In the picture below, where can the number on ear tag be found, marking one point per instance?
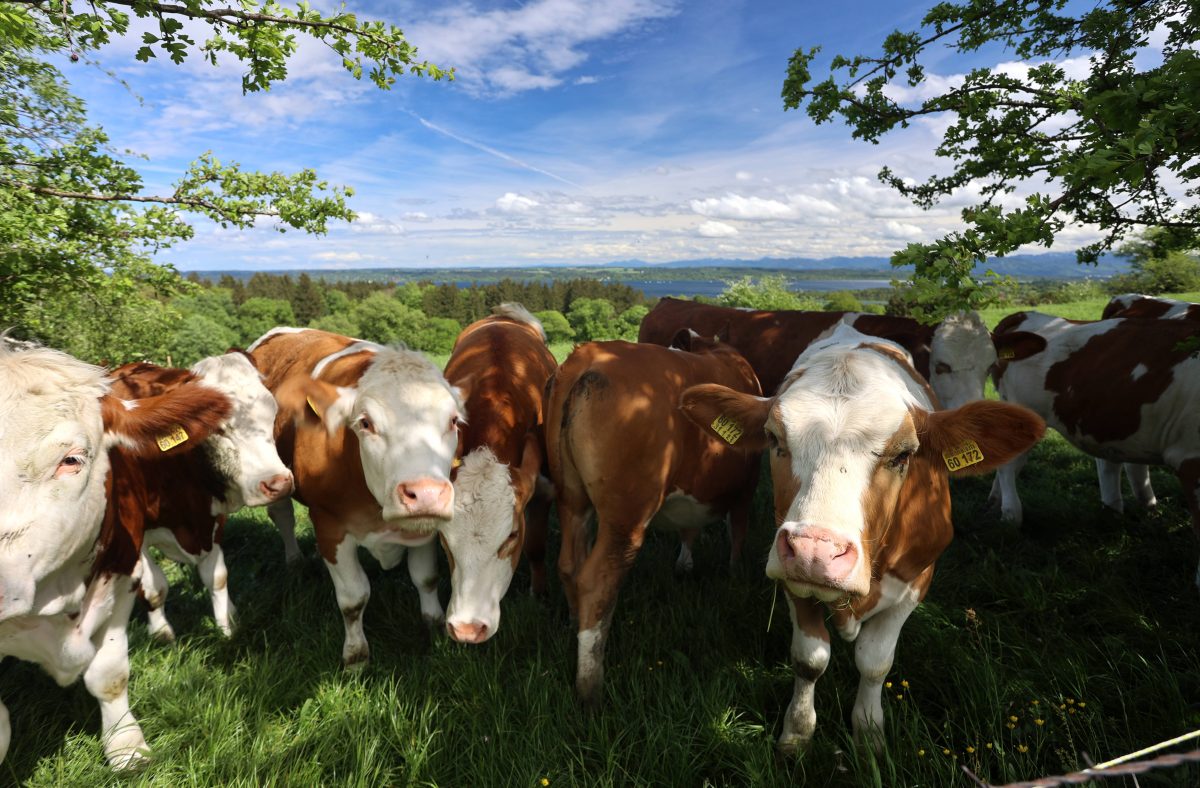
(962, 456)
(727, 428)
(1008, 354)
(172, 439)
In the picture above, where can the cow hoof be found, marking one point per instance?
(164, 635)
(127, 753)
(355, 661)
(791, 746)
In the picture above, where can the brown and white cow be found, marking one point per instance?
(620, 448)
(859, 456)
(1137, 305)
(1123, 390)
(370, 433)
(188, 497)
(501, 364)
(68, 546)
(954, 355)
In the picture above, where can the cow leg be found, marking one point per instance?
(1139, 482)
(598, 583)
(283, 514)
(216, 579)
(572, 521)
(874, 650)
(422, 568)
(1110, 484)
(537, 520)
(5, 731)
(107, 679)
(352, 589)
(154, 589)
(810, 657)
(739, 526)
(685, 562)
(1006, 478)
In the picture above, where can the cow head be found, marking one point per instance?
(405, 418)
(57, 423)
(850, 427)
(243, 452)
(483, 542)
(960, 357)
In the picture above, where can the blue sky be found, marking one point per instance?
(578, 131)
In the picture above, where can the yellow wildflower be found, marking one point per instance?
(970, 749)
(545, 781)
(1022, 748)
(904, 684)
(988, 745)
(900, 696)
(1039, 722)
(1011, 726)
(1012, 718)
(1082, 704)
(887, 684)
(920, 753)
(945, 751)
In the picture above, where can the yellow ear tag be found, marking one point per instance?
(314, 407)
(172, 439)
(456, 462)
(1008, 354)
(962, 456)
(727, 428)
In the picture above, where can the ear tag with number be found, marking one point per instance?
(176, 436)
(962, 456)
(1008, 354)
(314, 407)
(727, 428)
(456, 462)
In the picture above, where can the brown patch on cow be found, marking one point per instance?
(1096, 393)
(199, 410)
(1142, 306)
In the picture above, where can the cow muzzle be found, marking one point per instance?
(819, 556)
(426, 497)
(278, 486)
(469, 632)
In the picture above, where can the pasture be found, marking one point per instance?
(1075, 633)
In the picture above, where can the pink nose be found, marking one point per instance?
(426, 498)
(276, 487)
(471, 632)
(816, 555)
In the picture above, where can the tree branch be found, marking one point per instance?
(190, 202)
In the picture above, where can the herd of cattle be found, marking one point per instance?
(864, 419)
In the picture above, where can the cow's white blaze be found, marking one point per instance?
(839, 423)
(960, 356)
(484, 523)
(243, 452)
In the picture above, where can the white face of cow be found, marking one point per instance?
(481, 545)
(960, 357)
(406, 418)
(243, 451)
(53, 464)
(841, 436)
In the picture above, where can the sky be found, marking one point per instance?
(577, 131)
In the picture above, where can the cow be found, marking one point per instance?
(1137, 305)
(859, 456)
(954, 355)
(501, 365)
(69, 546)
(188, 497)
(1123, 390)
(619, 448)
(370, 433)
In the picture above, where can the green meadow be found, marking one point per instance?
(1071, 638)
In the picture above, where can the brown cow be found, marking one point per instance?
(188, 497)
(71, 522)
(370, 433)
(501, 364)
(954, 355)
(1136, 305)
(618, 446)
(859, 458)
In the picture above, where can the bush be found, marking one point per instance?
(556, 326)
(842, 301)
(257, 316)
(629, 321)
(593, 318)
(769, 292)
(338, 323)
(197, 337)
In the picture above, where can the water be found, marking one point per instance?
(714, 287)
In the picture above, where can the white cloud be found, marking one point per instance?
(711, 229)
(735, 206)
(586, 80)
(368, 222)
(416, 216)
(742, 175)
(903, 230)
(530, 47)
(515, 203)
(342, 257)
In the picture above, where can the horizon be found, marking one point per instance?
(578, 132)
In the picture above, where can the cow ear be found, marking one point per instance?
(978, 437)
(172, 423)
(309, 400)
(723, 335)
(1017, 345)
(730, 416)
(525, 477)
(683, 340)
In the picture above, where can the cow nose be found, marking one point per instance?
(276, 487)
(470, 632)
(814, 554)
(426, 497)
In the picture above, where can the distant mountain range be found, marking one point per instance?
(1050, 265)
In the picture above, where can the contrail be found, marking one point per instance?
(492, 151)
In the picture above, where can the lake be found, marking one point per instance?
(657, 288)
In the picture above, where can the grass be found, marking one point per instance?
(1082, 618)
(1088, 309)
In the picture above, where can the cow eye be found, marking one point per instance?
(455, 423)
(69, 465)
(776, 445)
(365, 424)
(900, 461)
(508, 545)
(942, 368)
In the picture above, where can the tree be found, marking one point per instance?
(381, 318)
(73, 214)
(842, 301)
(555, 325)
(630, 321)
(768, 292)
(338, 323)
(1156, 267)
(257, 316)
(593, 318)
(197, 337)
(307, 302)
(1105, 150)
